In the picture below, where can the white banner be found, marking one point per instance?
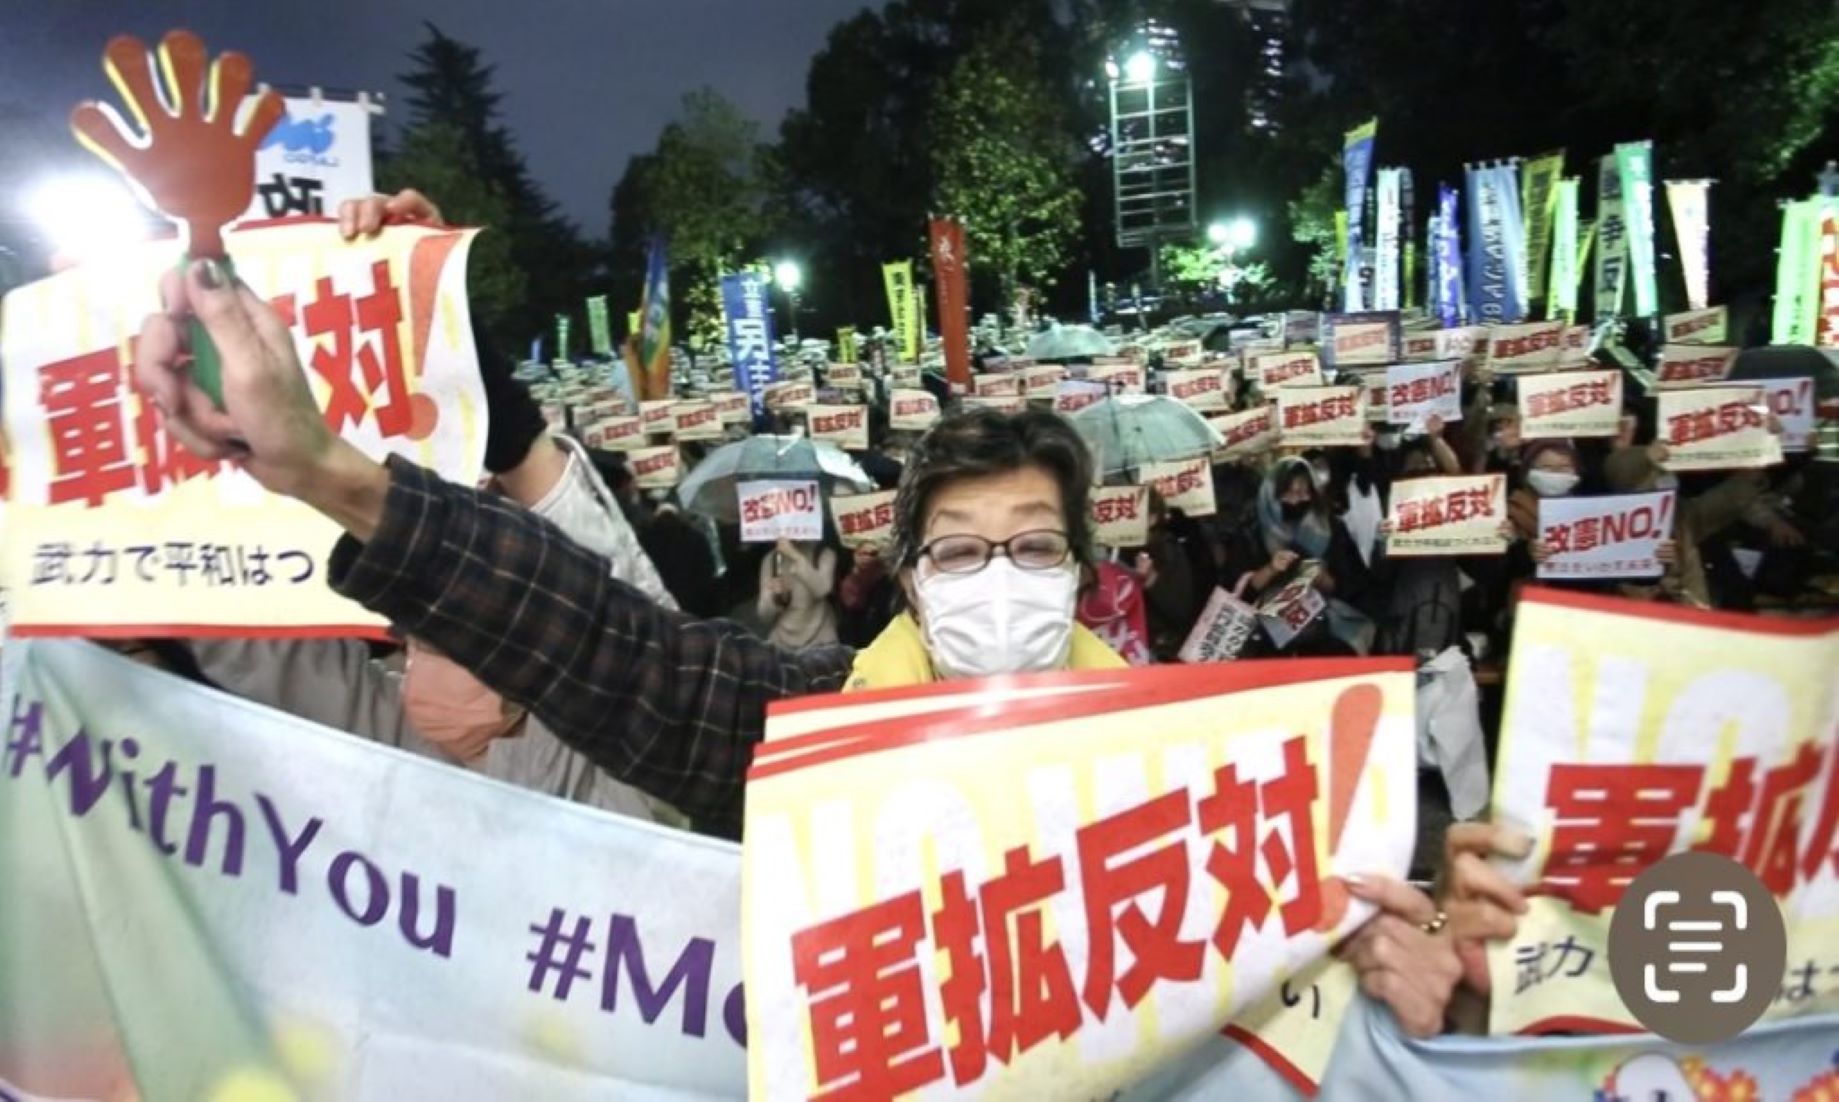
(1792, 403)
(315, 158)
(1682, 366)
(1570, 403)
(1690, 203)
(1073, 395)
(1251, 432)
(1459, 515)
(658, 468)
(912, 410)
(1201, 388)
(780, 510)
(844, 426)
(696, 421)
(1325, 415)
(1042, 382)
(1120, 516)
(1707, 326)
(1386, 260)
(996, 386)
(1417, 392)
(733, 407)
(1523, 349)
(1271, 370)
(1717, 428)
(1604, 537)
(205, 898)
(1221, 631)
(864, 520)
(1185, 485)
(1118, 377)
(658, 418)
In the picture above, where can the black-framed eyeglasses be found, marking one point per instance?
(1040, 549)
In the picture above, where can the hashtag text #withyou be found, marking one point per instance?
(155, 804)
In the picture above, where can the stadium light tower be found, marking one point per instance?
(1152, 143)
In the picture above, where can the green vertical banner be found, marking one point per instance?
(633, 321)
(1797, 274)
(846, 345)
(1340, 240)
(562, 324)
(1538, 206)
(598, 327)
(1611, 242)
(1635, 166)
(1561, 297)
(903, 308)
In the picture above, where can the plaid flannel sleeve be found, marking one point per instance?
(670, 704)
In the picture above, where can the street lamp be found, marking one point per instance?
(1240, 233)
(1141, 67)
(84, 217)
(790, 277)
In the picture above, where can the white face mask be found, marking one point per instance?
(1000, 620)
(1667, 482)
(1551, 483)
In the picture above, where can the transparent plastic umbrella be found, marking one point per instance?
(1128, 430)
(1069, 342)
(709, 489)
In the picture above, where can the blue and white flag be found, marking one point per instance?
(1487, 274)
(1448, 249)
(1357, 164)
(1513, 241)
(750, 336)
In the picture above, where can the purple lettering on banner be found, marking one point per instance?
(25, 736)
(88, 779)
(376, 905)
(734, 1014)
(289, 850)
(625, 953)
(441, 940)
(163, 785)
(206, 807)
(130, 749)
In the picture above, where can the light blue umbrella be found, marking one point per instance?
(1128, 430)
(1069, 342)
(710, 488)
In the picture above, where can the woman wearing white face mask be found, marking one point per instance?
(991, 532)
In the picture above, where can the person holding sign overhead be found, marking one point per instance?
(992, 539)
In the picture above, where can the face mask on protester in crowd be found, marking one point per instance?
(1001, 619)
(1548, 483)
(1666, 481)
(1320, 476)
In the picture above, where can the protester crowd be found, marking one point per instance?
(566, 631)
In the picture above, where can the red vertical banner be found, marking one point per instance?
(948, 273)
(1828, 333)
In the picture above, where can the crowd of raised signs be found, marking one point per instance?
(1372, 484)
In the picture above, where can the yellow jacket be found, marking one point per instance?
(898, 658)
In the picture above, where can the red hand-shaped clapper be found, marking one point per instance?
(190, 159)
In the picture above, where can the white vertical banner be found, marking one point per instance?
(315, 158)
(1690, 202)
(1386, 264)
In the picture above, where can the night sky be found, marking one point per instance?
(586, 83)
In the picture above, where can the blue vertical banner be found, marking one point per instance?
(1513, 241)
(1357, 165)
(1487, 269)
(1448, 248)
(750, 336)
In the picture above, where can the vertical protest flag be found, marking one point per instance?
(1451, 301)
(1826, 334)
(1386, 260)
(563, 323)
(1513, 240)
(652, 380)
(1561, 294)
(1797, 277)
(1538, 205)
(846, 351)
(1356, 165)
(1611, 272)
(1407, 206)
(750, 336)
(1635, 166)
(600, 333)
(950, 281)
(1488, 275)
(1689, 200)
(902, 309)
